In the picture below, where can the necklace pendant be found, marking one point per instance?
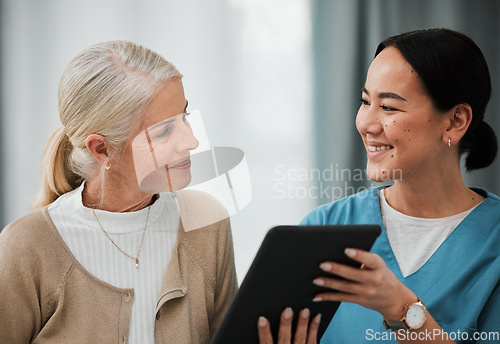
(136, 263)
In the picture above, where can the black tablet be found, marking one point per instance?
(281, 276)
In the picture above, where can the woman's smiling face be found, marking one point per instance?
(401, 130)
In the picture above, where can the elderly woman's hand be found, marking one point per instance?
(372, 286)
(305, 333)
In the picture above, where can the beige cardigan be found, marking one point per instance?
(47, 296)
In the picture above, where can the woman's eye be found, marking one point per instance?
(165, 132)
(387, 108)
(364, 101)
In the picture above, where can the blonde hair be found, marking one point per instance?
(103, 90)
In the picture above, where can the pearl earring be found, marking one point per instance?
(449, 142)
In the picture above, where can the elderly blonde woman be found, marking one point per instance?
(103, 260)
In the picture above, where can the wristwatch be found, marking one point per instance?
(414, 316)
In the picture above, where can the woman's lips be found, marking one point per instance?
(183, 165)
(376, 150)
(379, 148)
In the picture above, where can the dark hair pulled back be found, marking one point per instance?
(453, 71)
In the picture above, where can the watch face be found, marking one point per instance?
(415, 316)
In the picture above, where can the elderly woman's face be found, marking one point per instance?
(401, 130)
(160, 154)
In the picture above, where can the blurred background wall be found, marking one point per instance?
(279, 79)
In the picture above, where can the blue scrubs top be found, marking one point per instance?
(459, 283)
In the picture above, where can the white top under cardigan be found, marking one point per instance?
(83, 235)
(414, 240)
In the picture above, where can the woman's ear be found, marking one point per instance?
(99, 147)
(460, 118)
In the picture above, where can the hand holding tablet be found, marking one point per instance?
(306, 331)
(282, 276)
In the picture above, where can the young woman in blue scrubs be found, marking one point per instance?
(433, 275)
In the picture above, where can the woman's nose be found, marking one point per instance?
(187, 140)
(368, 121)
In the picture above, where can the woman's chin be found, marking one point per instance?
(159, 182)
(179, 181)
(381, 175)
